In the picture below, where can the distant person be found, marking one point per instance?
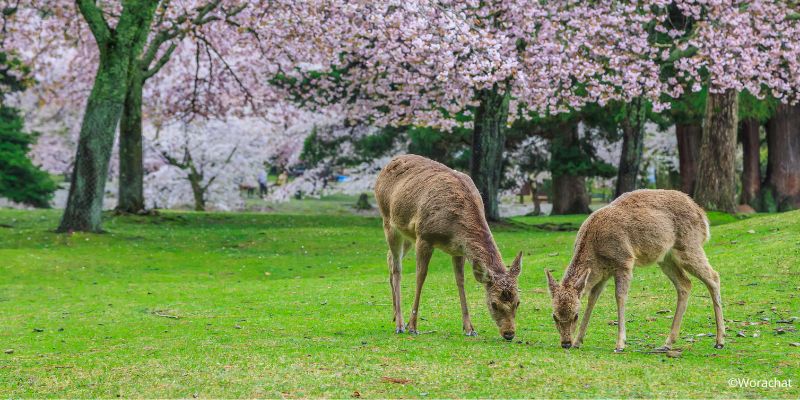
(262, 183)
(282, 178)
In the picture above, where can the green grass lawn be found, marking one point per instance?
(266, 305)
(330, 205)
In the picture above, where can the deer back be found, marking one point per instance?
(425, 199)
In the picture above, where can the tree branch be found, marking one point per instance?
(248, 96)
(97, 22)
(162, 61)
(176, 32)
(227, 160)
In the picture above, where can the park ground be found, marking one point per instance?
(190, 304)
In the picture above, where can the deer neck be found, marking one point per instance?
(577, 268)
(486, 259)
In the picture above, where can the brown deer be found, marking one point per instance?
(638, 228)
(424, 201)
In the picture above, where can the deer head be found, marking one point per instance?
(502, 298)
(566, 306)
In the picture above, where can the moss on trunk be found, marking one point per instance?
(131, 169)
(118, 47)
(488, 143)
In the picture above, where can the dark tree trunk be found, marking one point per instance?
(488, 142)
(131, 168)
(363, 202)
(569, 191)
(715, 188)
(570, 196)
(689, 136)
(198, 191)
(117, 48)
(781, 189)
(632, 147)
(751, 172)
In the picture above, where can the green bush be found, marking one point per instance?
(20, 180)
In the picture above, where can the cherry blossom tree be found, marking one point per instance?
(202, 37)
(173, 26)
(731, 46)
(195, 156)
(120, 32)
(478, 64)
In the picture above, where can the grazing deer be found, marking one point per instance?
(424, 201)
(638, 228)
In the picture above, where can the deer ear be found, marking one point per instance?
(552, 284)
(516, 266)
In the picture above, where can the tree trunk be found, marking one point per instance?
(632, 147)
(198, 191)
(117, 47)
(570, 196)
(569, 191)
(781, 189)
(488, 142)
(689, 136)
(751, 172)
(88, 182)
(131, 168)
(715, 188)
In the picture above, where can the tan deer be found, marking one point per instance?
(424, 201)
(638, 228)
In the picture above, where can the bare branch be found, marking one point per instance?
(248, 96)
(163, 60)
(227, 160)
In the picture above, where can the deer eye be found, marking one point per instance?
(494, 306)
(554, 318)
(575, 318)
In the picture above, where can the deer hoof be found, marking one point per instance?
(471, 333)
(618, 350)
(399, 330)
(719, 346)
(662, 349)
(411, 330)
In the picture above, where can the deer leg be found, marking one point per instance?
(458, 268)
(594, 293)
(695, 262)
(683, 286)
(424, 252)
(622, 282)
(394, 259)
(406, 246)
